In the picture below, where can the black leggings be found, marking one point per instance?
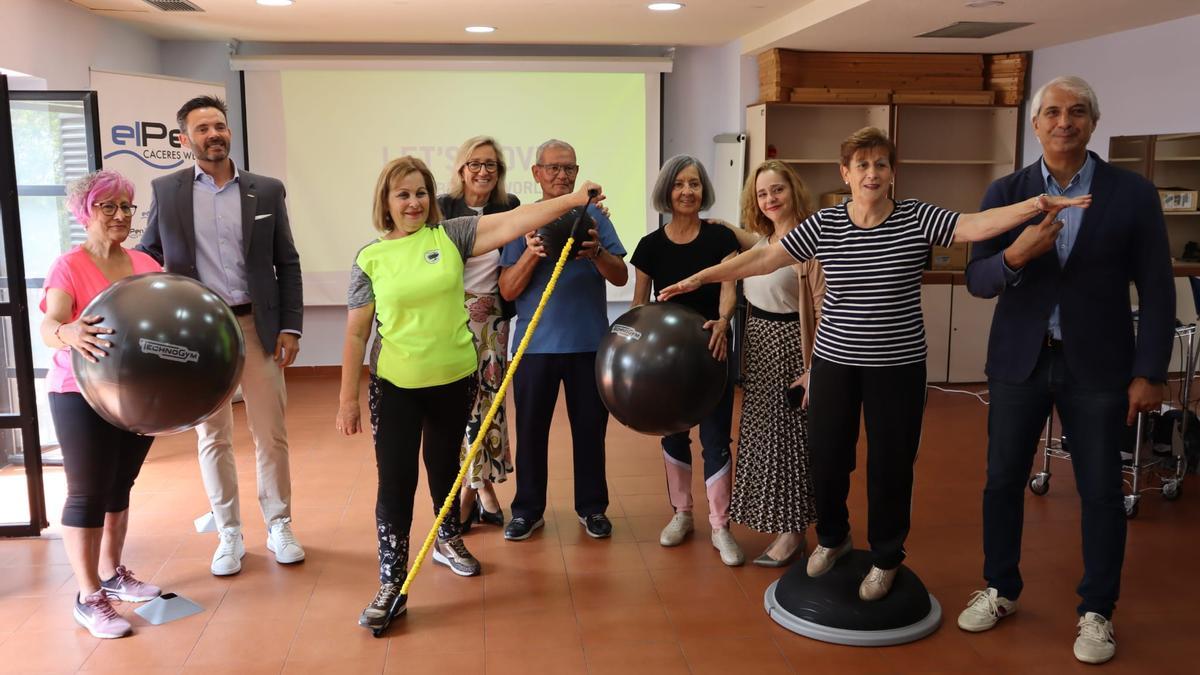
(100, 460)
(400, 418)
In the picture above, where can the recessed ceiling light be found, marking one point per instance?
(481, 29)
(275, 3)
(664, 6)
(981, 4)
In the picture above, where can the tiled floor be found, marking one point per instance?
(564, 603)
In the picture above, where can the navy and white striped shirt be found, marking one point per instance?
(872, 311)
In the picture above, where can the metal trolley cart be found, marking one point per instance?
(1146, 471)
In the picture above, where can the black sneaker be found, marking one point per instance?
(387, 605)
(520, 528)
(454, 554)
(597, 525)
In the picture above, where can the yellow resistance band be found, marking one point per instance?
(487, 421)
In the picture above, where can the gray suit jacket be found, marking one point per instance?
(272, 263)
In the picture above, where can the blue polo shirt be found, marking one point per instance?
(576, 317)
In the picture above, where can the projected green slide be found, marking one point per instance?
(342, 126)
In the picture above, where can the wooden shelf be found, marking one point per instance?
(1181, 213)
(986, 162)
(792, 160)
(1177, 159)
(1117, 160)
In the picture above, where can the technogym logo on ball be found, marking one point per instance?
(167, 351)
(626, 332)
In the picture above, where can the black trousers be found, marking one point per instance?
(1093, 418)
(401, 419)
(535, 392)
(101, 461)
(892, 400)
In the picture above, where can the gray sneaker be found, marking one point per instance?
(453, 553)
(387, 605)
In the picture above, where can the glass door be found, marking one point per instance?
(54, 139)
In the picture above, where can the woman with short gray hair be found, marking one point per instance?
(685, 245)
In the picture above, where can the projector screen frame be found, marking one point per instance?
(259, 104)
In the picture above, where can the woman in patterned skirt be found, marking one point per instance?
(772, 490)
(477, 188)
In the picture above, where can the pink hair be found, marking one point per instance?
(93, 188)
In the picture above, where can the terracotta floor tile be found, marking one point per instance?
(331, 640)
(722, 655)
(46, 650)
(256, 644)
(564, 661)
(602, 624)
(629, 658)
(164, 646)
(598, 589)
(532, 629)
(465, 661)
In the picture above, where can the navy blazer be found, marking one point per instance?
(272, 263)
(1123, 238)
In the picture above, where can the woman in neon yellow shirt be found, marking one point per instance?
(423, 361)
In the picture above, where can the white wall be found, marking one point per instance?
(58, 42)
(1147, 80)
(209, 62)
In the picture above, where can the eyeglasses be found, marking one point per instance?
(554, 169)
(110, 209)
(476, 167)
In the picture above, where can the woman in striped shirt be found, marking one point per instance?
(870, 345)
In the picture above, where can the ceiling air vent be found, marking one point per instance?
(970, 29)
(173, 5)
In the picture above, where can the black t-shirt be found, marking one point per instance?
(667, 263)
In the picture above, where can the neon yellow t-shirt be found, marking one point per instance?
(416, 283)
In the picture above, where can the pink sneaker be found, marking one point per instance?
(126, 588)
(96, 614)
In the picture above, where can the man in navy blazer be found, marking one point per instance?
(1063, 336)
(229, 230)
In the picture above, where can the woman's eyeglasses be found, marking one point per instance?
(476, 167)
(110, 209)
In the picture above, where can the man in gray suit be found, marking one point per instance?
(229, 230)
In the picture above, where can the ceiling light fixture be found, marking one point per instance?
(983, 4)
(275, 3)
(481, 29)
(664, 6)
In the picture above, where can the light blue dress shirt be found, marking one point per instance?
(1072, 219)
(220, 256)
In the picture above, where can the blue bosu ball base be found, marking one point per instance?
(828, 608)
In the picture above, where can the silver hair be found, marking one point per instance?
(1075, 85)
(666, 183)
(552, 143)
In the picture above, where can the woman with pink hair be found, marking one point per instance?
(100, 460)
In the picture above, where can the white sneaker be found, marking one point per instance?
(1096, 643)
(723, 541)
(984, 610)
(230, 550)
(282, 542)
(680, 526)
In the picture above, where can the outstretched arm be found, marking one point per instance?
(987, 224)
(748, 264)
(497, 229)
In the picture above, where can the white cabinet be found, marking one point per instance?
(970, 324)
(935, 305)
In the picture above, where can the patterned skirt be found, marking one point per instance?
(772, 487)
(493, 462)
